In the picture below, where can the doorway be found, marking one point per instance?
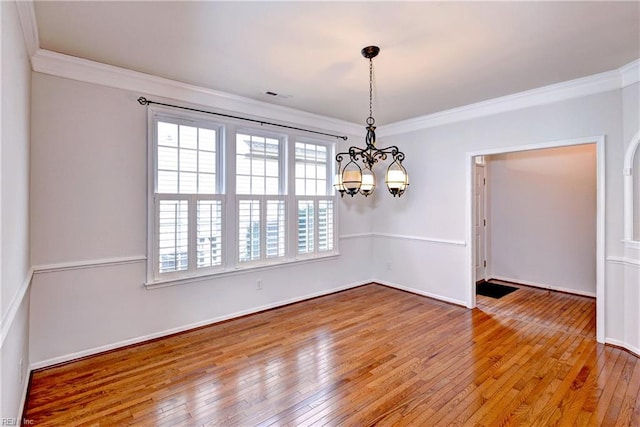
(480, 221)
(476, 247)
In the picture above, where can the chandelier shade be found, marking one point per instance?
(397, 179)
(353, 179)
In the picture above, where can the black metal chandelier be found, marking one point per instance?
(353, 179)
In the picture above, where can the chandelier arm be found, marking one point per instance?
(394, 151)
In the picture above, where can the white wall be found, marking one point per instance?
(434, 206)
(14, 207)
(624, 261)
(89, 205)
(542, 220)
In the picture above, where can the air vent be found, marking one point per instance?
(277, 95)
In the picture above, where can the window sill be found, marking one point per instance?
(156, 284)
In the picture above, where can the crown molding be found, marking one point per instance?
(83, 70)
(630, 73)
(597, 83)
(27, 14)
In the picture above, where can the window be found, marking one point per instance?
(632, 193)
(261, 213)
(217, 206)
(186, 198)
(314, 198)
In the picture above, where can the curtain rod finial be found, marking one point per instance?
(143, 101)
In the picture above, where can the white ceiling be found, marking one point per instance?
(434, 55)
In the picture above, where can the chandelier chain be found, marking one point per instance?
(371, 88)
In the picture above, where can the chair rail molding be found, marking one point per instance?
(7, 320)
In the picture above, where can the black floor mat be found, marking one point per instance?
(493, 290)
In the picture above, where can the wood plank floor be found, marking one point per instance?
(367, 356)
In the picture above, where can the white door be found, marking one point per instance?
(480, 222)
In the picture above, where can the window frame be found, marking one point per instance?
(631, 237)
(227, 131)
(331, 194)
(159, 114)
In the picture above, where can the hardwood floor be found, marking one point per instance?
(369, 355)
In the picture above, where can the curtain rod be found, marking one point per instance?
(144, 101)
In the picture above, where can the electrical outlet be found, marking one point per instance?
(259, 285)
(388, 266)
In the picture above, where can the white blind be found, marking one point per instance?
(249, 230)
(306, 229)
(209, 233)
(173, 224)
(325, 225)
(275, 229)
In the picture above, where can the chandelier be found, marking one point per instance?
(353, 179)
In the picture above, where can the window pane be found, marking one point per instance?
(167, 158)
(188, 160)
(188, 183)
(167, 134)
(209, 233)
(207, 161)
(321, 187)
(311, 169)
(275, 232)
(272, 167)
(272, 186)
(167, 182)
(188, 137)
(206, 183)
(243, 185)
(311, 187)
(257, 185)
(258, 159)
(305, 227)
(325, 225)
(322, 153)
(183, 152)
(249, 230)
(173, 235)
(257, 167)
(207, 139)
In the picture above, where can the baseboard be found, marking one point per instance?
(624, 346)
(422, 293)
(544, 286)
(96, 350)
(25, 393)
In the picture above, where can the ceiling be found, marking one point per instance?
(434, 55)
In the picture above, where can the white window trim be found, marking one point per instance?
(226, 186)
(331, 195)
(159, 113)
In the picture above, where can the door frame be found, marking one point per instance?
(599, 141)
(484, 227)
